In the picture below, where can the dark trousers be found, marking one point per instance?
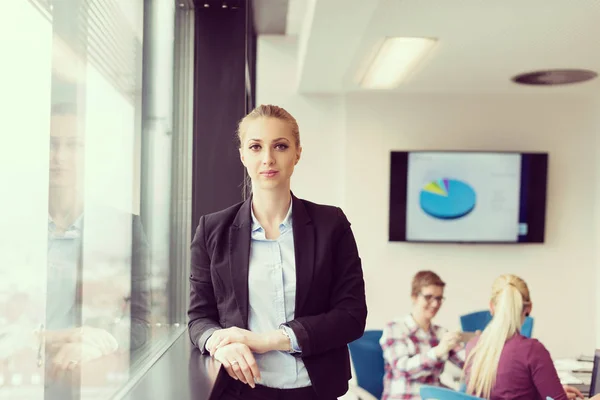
(237, 390)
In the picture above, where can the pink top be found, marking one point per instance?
(525, 371)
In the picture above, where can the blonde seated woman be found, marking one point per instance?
(504, 365)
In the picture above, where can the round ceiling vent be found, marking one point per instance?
(555, 77)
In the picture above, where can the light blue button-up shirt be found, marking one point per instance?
(272, 302)
(63, 255)
(61, 296)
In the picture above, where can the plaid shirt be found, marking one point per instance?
(410, 360)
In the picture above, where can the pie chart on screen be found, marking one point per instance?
(447, 198)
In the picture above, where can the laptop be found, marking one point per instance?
(594, 387)
(595, 383)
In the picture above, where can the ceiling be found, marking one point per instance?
(482, 44)
(279, 17)
(270, 16)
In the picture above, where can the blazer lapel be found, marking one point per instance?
(239, 257)
(304, 248)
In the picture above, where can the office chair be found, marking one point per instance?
(367, 359)
(479, 320)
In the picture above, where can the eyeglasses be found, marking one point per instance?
(429, 298)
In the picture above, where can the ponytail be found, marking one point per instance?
(482, 362)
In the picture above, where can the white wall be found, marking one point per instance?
(561, 273)
(597, 224)
(347, 143)
(319, 175)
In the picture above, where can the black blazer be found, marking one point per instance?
(331, 310)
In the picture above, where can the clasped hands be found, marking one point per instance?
(71, 347)
(234, 348)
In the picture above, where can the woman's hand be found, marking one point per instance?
(72, 355)
(85, 335)
(69, 348)
(572, 393)
(257, 342)
(239, 362)
(448, 342)
(223, 337)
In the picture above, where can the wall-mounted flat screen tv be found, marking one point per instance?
(468, 196)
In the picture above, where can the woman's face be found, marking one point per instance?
(66, 152)
(269, 153)
(429, 301)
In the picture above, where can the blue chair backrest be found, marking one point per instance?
(475, 321)
(438, 393)
(367, 358)
(479, 320)
(527, 328)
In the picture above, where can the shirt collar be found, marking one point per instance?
(76, 225)
(286, 223)
(412, 325)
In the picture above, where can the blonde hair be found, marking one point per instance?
(268, 111)
(510, 296)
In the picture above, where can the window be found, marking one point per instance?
(94, 249)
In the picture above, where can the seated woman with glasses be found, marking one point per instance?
(503, 364)
(414, 349)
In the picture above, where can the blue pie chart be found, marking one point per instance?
(447, 199)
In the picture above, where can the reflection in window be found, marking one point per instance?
(84, 278)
